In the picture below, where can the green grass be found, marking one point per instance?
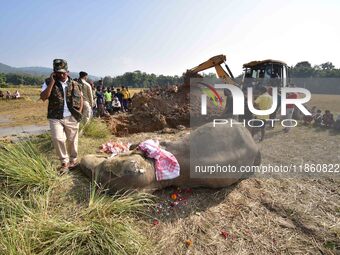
(96, 128)
(22, 166)
(43, 142)
(106, 225)
(60, 236)
(128, 203)
(41, 214)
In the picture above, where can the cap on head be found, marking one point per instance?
(60, 65)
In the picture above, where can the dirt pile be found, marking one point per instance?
(154, 110)
(159, 109)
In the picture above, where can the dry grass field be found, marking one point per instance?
(27, 111)
(277, 215)
(326, 102)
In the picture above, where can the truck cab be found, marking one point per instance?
(269, 73)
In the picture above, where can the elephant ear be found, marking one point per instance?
(90, 163)
(113, 166)
(125, 165)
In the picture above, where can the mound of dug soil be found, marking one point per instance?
(159, 109)
(153, 110)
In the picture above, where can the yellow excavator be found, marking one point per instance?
(254, 71)
(216, 62)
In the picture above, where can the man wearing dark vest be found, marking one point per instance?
(65, 103)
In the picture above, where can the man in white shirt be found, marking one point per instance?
(65, 103)
(87, 96)
(116, 106)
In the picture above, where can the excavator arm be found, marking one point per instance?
(216, 62)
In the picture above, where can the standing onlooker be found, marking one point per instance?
(87, 96)
(65, 103)
(113, 93)
(125, 98)
(94, 105)
(290, 109)
(108, 99)
(100, 102)
(263, 102)
(129, 100)
(101, 84)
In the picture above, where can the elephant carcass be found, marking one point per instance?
(222, 145)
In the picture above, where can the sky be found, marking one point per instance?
(106, 37)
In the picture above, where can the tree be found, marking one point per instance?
(327, 66)
(108, 81)
(303, 64)
(2, 80)
(303, 69)
(210, 75)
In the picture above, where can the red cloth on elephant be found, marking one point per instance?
(114, 148)
(166, 164)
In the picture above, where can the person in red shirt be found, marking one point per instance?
(290, 109)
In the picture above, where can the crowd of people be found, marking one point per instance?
(101, 101)
(8, 95)
(319, 119)
(111, 100)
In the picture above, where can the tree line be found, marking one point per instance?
(20, 79)
(132, 79)
(141, 79)
(304, 69)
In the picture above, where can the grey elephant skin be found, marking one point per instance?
(207, 145)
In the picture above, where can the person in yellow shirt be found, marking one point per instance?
(126, 95)
(263, 102)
